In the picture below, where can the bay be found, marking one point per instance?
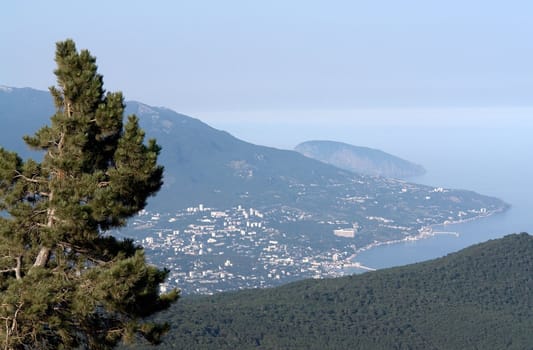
(487, 150)
(495, 161)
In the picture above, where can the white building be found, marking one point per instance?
(345, 232)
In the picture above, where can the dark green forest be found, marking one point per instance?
(478, 298)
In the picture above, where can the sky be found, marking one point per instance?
(208, 57)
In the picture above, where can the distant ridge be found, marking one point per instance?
(358, 159)
(478, 298)
(21, 112)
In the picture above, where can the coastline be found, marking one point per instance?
(425, 232)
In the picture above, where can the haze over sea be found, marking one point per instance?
(487, 150)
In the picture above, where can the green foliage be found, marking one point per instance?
(64, 282)
(478, 298)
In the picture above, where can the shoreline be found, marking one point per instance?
(425, 232)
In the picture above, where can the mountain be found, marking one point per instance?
(210, 166)
(477, 298)
(22, 112)
(236, 212)
(361, 160)
(203, 164)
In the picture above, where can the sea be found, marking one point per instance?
(488, 150)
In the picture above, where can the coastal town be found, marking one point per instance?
(208, 250)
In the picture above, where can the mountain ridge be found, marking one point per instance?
(359, 159)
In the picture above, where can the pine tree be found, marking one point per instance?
(65, 282)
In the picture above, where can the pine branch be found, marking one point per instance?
(83, 251)
(16, 269)
(11, 329)
(32, 180)
(15, 317)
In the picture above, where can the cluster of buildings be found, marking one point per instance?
(208, 250)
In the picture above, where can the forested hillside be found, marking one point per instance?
(478, 298)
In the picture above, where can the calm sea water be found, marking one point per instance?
(496, 161)
(487, 150)
(517, 219)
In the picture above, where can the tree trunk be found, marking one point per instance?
(18, 273)
(42, 257)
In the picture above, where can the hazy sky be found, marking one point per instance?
(233, 56)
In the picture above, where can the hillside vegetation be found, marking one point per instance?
(478, 298)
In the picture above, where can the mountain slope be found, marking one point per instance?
(203, 164)
(359, 159)
(214, 168)
(478, 298)
(22, 111)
